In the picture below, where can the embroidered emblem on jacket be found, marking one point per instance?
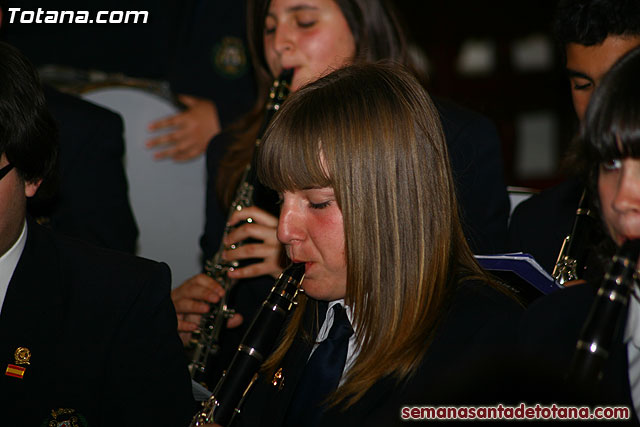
(22, 356)
(65, 417)
(230, 57)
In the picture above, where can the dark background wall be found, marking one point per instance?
(507, 94)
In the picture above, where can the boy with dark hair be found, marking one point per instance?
(593, 35)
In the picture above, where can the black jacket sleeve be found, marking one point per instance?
(476, 163)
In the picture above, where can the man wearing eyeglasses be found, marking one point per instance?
(87, 336)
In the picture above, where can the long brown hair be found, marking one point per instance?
(378, 35)
(384, 154)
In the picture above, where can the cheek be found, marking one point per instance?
(271, 56)
(603, 191)
(327, 51)
(335, 251)
(580, 102)
(606, 189)
(334, 243)
(606, 193)
(12, 212)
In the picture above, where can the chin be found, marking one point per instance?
(320, 292)
(316, 294)
(300, 80)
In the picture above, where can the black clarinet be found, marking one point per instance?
(205, 342)
(256, 346)
(605, 317)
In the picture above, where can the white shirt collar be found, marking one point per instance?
(9, 261)
(632, 340)
(328, 320)
(632, 330)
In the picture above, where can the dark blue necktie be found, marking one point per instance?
(322, 373)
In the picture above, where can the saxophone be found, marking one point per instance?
(255, 348)
(571, 259)
(596, 337)
(205, 342)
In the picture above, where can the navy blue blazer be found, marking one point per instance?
(101, 330)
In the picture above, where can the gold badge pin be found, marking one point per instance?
(278, 379)
(22, 356)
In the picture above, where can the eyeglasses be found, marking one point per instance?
(5, 170)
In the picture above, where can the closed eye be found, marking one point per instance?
(270, 24)
(306, 24)
(579, 80)
(319, 205)
(583, 86)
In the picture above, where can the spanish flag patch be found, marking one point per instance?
(15, 371)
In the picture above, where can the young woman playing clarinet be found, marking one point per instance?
(393, 298)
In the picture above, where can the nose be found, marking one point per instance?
(290, 224)
(283, 39)
(627, 198)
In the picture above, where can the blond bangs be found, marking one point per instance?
(289, 156)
